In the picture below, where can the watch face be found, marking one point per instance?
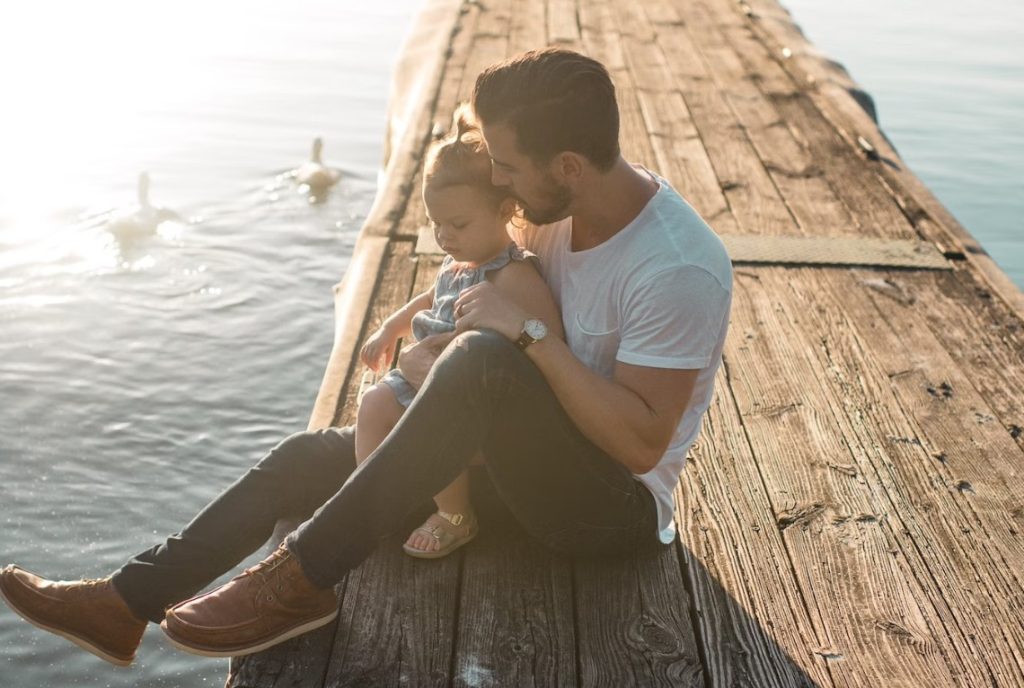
(535, 328)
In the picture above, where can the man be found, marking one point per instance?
(583, 439)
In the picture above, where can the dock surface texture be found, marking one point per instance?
(852, 514)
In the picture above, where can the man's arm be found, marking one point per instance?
(633, 416)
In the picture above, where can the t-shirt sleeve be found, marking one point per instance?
(674, 320)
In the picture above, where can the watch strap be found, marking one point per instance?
(524, 340)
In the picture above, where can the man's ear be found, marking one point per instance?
(568, 167)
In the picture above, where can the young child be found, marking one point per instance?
(469, 217)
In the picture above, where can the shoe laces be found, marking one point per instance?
(88, 585)
(268, 565)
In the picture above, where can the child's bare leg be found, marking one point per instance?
(453, 499)
(379, 412)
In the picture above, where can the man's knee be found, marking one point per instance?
(480, 348)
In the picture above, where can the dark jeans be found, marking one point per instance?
(482, 394)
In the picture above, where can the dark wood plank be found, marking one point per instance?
(633, 623)
(297, 663)
(397, 621)
(516, 615)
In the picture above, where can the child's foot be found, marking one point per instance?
(441, 534)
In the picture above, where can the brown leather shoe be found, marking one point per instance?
(89, 613)
(263, 606)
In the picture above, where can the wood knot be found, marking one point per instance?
(658, 638)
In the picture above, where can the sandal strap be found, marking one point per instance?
(454, 519)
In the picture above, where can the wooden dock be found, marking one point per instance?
(853, 512)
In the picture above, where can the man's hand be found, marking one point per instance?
(484, 306)
(416, 360)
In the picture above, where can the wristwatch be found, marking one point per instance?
(533, 331)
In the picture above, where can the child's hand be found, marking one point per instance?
(378, 350)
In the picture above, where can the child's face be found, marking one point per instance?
(466, 224)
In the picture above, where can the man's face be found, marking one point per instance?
(542, 197)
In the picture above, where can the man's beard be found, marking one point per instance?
(553, 205)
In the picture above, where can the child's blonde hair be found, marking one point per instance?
(461, 158)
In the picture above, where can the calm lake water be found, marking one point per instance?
(948, 81)
(140, 377)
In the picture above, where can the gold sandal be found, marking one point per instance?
(447, 541)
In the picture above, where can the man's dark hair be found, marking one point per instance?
(554, 100)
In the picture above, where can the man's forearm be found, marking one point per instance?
(610, 415)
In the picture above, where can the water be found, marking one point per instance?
(140, 377)
(947, 77)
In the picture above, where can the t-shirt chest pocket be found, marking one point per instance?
(594, 338)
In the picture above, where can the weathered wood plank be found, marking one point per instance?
(985, 338)
(752, 621)
(853, 181)
(297, 663)
(825, 546)
(679, 151)
(563, 26)
(645, 637)
(633, 625)
(397, 621)
(602, 42)
(730, 99)
(927, 535)
(828, 85)
(854, 573)
(529, 27)
(516, 614)
(490, 43)
(896, 428)
(689, 115)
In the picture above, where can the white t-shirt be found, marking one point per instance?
(655, 294)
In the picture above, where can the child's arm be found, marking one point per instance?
(380, 347)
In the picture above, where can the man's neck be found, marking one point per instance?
(609, 204)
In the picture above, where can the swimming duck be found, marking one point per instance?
(314, 173)
(142, 219)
